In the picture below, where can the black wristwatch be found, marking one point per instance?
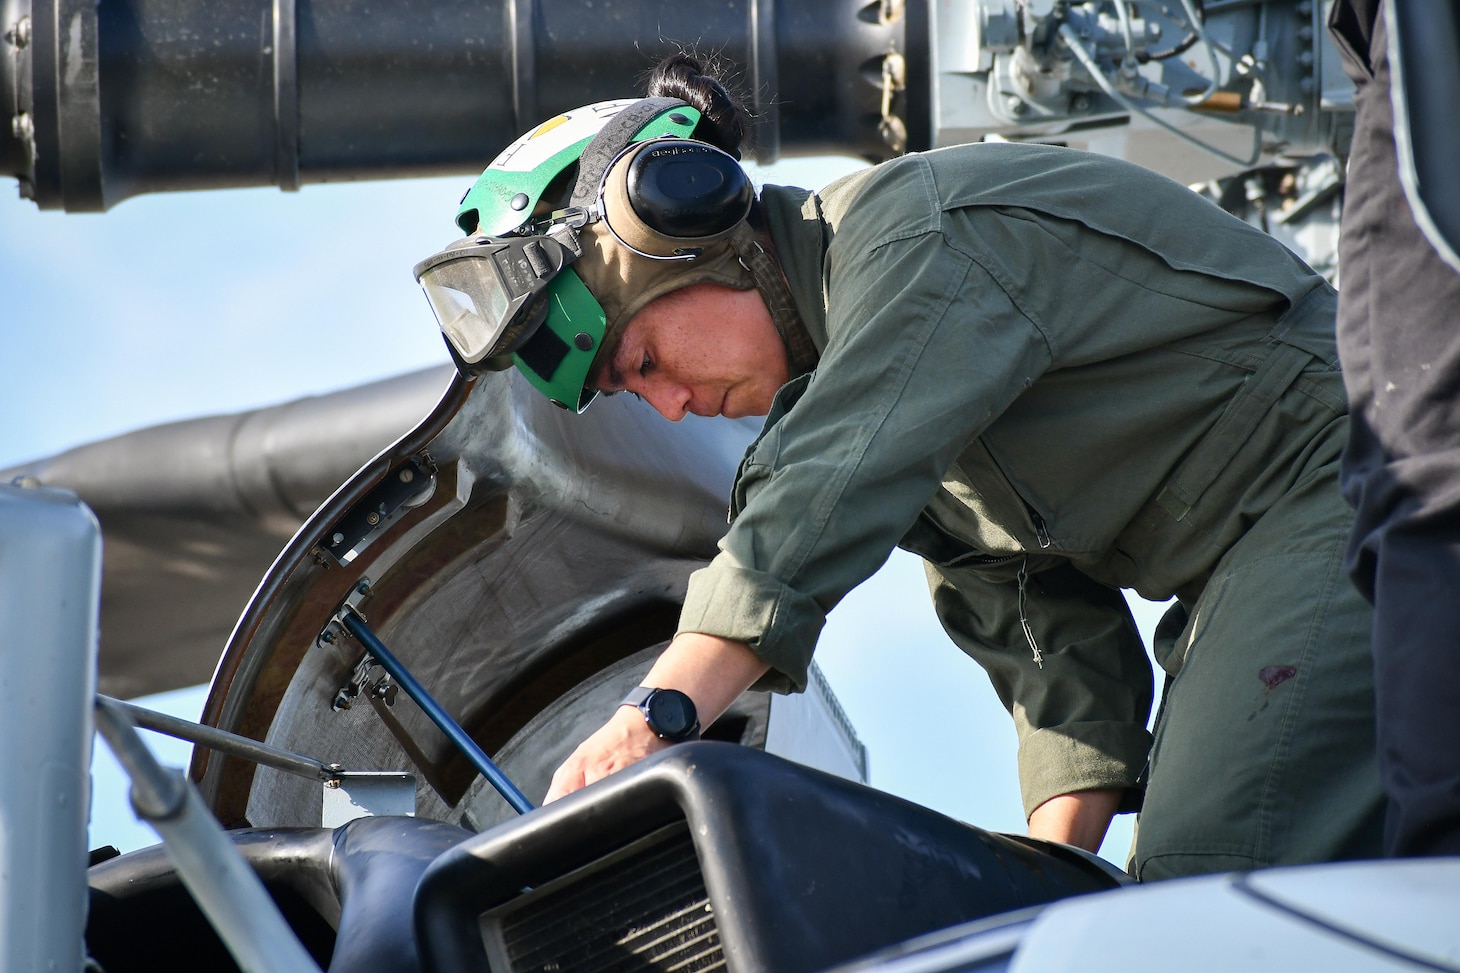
(669, 712)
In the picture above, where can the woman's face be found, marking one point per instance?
(706, 349)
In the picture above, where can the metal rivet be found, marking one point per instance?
(519, 201)
(19, 35)
(679, 118)
(583, 341)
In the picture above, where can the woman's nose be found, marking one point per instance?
(670, 400)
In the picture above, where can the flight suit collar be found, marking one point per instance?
(800, 237)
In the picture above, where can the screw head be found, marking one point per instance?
(519, 202)
(19, 35)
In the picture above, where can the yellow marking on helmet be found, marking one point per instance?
(548, 126)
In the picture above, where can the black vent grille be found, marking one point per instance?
(640, 910)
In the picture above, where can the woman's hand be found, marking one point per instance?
(623, 740)
(708, 669)
(1078, 819)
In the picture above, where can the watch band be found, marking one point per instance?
(638, 696)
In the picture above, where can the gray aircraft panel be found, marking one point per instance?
(194, 512)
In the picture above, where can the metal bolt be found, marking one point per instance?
(327, 637)
(372, 518)
(1016, 105)
(337, 538)
(1305, 58)
(407, 475)
(363, 587)
(1080, 103)
(19, 35)
(1306, 86)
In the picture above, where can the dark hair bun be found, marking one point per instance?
(723, 122)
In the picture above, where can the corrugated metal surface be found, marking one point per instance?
(645, 911)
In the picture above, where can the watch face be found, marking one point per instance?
(671, 713)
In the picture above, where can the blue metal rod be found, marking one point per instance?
(436, 712)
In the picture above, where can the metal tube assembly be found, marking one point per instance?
(225, 742)
(215, 874)
(435, 711)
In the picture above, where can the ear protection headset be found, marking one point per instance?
(670, 198)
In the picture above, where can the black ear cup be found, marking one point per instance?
(688, 190)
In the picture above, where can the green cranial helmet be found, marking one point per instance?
(510, 289)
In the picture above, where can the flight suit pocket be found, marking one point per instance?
(1220, 446)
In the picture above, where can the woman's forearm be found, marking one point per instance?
(709, 670)
(1078, 819)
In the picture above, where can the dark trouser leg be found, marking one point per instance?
(1399, 341)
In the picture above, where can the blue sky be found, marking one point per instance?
(180, 305)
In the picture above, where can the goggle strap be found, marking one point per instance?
(566, 235)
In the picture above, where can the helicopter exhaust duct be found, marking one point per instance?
(102, 102)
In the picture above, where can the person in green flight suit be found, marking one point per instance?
(1050, 374)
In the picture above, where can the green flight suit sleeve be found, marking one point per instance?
(925, 349)
(1081, 711)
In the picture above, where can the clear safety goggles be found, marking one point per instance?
(502, 300)
(490, 293)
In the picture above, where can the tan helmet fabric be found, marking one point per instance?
(625, 281)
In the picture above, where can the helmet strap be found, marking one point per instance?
(777, 296)
(599, 154)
